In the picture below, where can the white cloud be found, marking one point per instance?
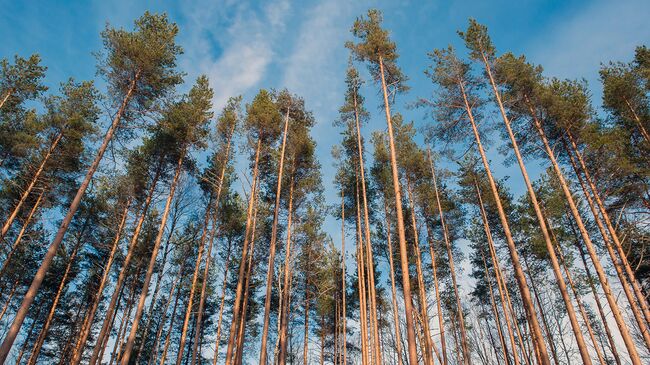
(245, 44)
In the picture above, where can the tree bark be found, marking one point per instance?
(152, 262)
(242, 264)
(618, 317)
(110, 312)
(361, 281)
(408, 302)
(28, 299)
(274, 234)
(161, 325)
(284, 315)
(529, 307)
(393, 290)
(495, 311)
(344, 280)
(221, 306)
(30, 186)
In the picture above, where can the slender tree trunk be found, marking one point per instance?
(163, 357)
(497, 318)
(161, 325)
(104, 342)
(274, 234)
(30, 332)
(436, 285)
(428, 343)
(601, 310)
(239, 352)
(206, 270)
(284, 313)
(110, 312)
(610, 228)
(50, 316)
(618, 317)
(5, 98)
(408, 302)
(8, 301)
(499, 276)
(195, 278)
(121, 332)
(576, 295)
(242, 264)
(28, 299)
(557, 272)
(77, 351)
(531, 315)
(344, 280)
(152, 262)
(445, 233)
(30, 186)
(393, 291)
(322, 340)
(361, 279)
(369, 253)
(154, 296)
(305, 349)
(19, 238)
(221, 306)
(639, 124)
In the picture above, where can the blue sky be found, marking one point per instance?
(245, 46)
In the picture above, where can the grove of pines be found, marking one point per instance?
(143, 225)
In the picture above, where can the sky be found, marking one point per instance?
(244, 46)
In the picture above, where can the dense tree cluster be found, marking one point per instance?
(165, 252)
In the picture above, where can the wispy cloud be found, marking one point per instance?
(235, 54)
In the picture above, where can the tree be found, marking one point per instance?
(139, 67)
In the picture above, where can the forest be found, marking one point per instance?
(167, 232)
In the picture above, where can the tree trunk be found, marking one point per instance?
(408, 302)
(242, 264)
(344, 280)
(639, 124)
(284, 315)
(305, 349)
(531, 314)
(195, 278)
(239, 352)
(8, 301)
(221, 306)
(369, 253)
(110, 312)
(436, 285)
(208, 260)
(163, 357)
(30, 332)
(161, 325)
(104, 342)
(50, 316)
(497, 318)
(121, 332)
(610, 228)
(601, 311)
(17, 323)
(274, 234)
(5, 98)
(30, 186)
(618, 317)
(445, 233)
(77, 351)
(501, 285)
(398, 339)
(361, 280)
(428, 343)
(152, 262)
(19, 238)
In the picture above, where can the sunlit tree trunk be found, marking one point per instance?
(639, 124)
(401, 233)
(344, 280)
(436, 286)
(161, 324)
(361, 278)
(274, 233)
(610, 228)
(17, 323)
(172, 319)
(20, 235)
(495, 311)
(9, 297)
(110, 312)
(221, 305)
(393, 290)
(284, 312)
(50, 316)
(369, 253)
(499, 277)
(529, 307)
(30, 187)
(152, 262)
(428, 343)
(234, 325)
(616, 312)
(445, 233)
(195, 278)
